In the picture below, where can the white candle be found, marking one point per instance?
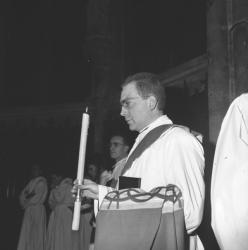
(82, 148)
(80, 170)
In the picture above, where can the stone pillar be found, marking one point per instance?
(238, 32)
(104, 52)
(227, 41)
(98, 49)
(218, 73)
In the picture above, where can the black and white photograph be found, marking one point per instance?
(124, 124)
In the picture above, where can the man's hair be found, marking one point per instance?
(148, 84)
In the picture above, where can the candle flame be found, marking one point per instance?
(86, 110)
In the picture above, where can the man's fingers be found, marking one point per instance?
(89, 189)
(89, 194)
(87, 181)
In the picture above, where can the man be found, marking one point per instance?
(118, 150)
(176, 157)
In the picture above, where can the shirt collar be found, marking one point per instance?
(163, 119)
(122, 161)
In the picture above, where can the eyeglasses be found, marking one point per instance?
(128, 102)
(115, 144)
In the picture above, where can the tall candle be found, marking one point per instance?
(80, 170)
(82, 148)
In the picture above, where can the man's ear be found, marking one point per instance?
(152, 102)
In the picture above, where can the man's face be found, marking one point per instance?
(118, 149)
(135, 109)
(92, 171)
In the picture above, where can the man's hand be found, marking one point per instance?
(105, 177)
(88, 189)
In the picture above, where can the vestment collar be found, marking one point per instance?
(163, 119)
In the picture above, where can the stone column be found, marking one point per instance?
(227, 41)
(104, 53)
(218, 72)
(98, 49)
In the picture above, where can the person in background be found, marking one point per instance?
(93, 169)
(59, 234)
(32, 198)
(176, 157)
(55, 180)
(118, 149)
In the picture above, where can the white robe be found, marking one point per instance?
(177, 158)
(60, 235)
(33, 230)
(114, 174)
(229, 199)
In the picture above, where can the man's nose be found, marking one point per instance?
(123, 111)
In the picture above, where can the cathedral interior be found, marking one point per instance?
(59, 57)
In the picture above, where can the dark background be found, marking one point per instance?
(46, 39)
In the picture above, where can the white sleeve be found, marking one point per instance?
(102, 191)
(186, 160)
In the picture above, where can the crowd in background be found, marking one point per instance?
(48, 210)
(48, 203)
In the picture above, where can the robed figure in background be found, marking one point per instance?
(59, 234)
(33, 230)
